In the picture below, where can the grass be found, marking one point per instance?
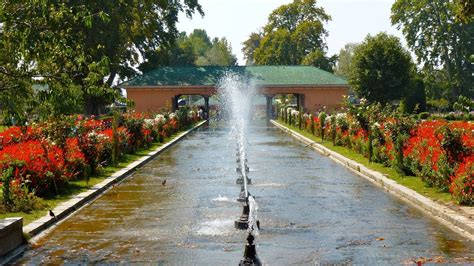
(2, 128)
(412, 182)
(75, 187)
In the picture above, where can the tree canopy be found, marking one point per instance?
(249, 46)
(381, 69)
(464, 11)
(343, 66)
(195, 49)
(293, 35)
(440, 34)
(79, 49)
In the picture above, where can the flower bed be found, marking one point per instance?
(441, 153)
(41, 159)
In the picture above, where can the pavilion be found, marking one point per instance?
(313, 88)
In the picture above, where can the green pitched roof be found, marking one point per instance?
(210, 75)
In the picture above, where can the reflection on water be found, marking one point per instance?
(311, 210)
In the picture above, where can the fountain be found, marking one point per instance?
(236, 93)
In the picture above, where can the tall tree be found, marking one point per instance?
(15, 89)
(381, 69)
(439, 40)
(293, 35)
(88, 44)
(220, 54)
(343, 66)
(249, 46)
(200, 41)
(194, 50)
(276, 48)
(179, 53)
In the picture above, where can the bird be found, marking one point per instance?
(51, 213)
(164, 182)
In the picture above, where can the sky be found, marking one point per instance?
(351, 20)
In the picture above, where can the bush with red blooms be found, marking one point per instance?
(41, 159)
(441, 153)
(16, 134)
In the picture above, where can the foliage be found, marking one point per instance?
(415, 98)
(6, 188)
(462, 186)
(322, 123)
(440, 153)
(249, 46)
(85, 47)
(464, 11)
(42, 160)
(463, 104)
(344, 61)
(438, 105)
(197, 49)
(381, 69)
(439, 40)
(16, 197)
(179, 53)
(220, 54)
(15, 91)
(293, 35)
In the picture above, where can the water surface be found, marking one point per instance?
(311, 210)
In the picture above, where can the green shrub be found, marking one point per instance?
(423, 115)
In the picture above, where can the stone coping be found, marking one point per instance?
(80, 200)
(459, 220)
(11, 234)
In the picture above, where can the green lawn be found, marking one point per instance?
(411, 182)
(78, 186)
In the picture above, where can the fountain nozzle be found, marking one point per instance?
(242, 197)
(240, 180)
(239, 169)
(243, 222)
(250, 253)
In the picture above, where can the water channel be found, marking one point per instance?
(311, 210)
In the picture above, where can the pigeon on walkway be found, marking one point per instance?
(51, 213)
(164, 182)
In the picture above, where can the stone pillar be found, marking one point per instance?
(269, 106)
(300, 101)
(206, 107)
(174, 103)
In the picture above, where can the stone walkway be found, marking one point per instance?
(458, 218)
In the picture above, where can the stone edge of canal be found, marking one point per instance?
(450, 218)
(41, 227)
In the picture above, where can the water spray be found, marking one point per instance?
(236, 95)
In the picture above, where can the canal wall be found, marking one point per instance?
(11, 234)
(459, 221)
(43, 225)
